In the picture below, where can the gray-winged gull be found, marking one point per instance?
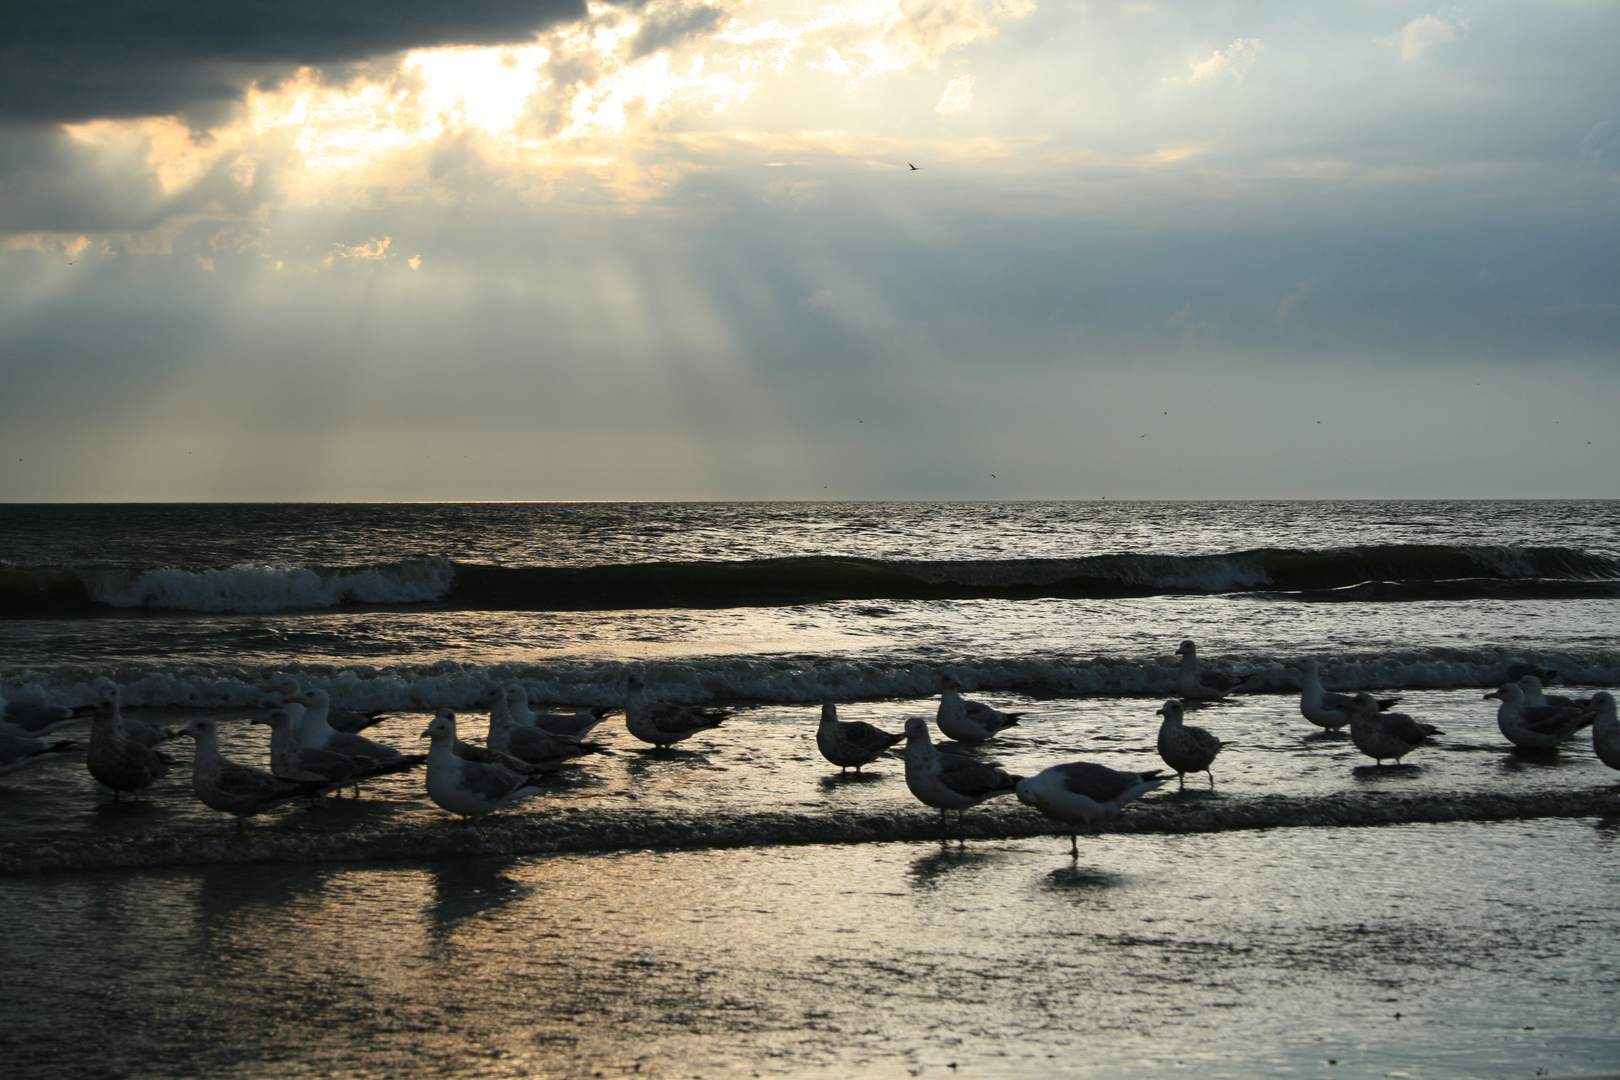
(661, 723)
(1316, 704)
(577, 724)
(1184, 748)
(118, 761)
(1084, 793)
(1535, 696)
(131, 728)
(1382, 735)
(949, 781)
(232, 787)
(541, 750)
(349, 721)
(968, 721)
(1202, 685)
(851, 743)
(470, 789)
(1605, 729)
(1535, 727)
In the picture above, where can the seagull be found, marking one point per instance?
(1606, 730)
(468, 788)
(1205, 685)
(661, 723)
(20, 751)
(1325, 710)
(233, 787)
(577, 724)
(34, 720)
(1382, 735)
(949, 781)
(316, 733)
(117, 760)
(539, 749)
(290, 760)
(1534, 695)
(1516, 667)
(913, 167)
(968, 721)
(1540, 727)
(139, 730)
(1185, 749)
(344, 720)
(850, 743)
(1083, 792)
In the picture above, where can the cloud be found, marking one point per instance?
(660, 28)
(958, 96)
(1234, 61)
(74, 60)
(1423, 34)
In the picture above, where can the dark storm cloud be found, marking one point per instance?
(74, 60)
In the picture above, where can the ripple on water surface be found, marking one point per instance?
(1435, 951)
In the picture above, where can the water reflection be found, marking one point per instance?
(468, 889)
(1077, 879)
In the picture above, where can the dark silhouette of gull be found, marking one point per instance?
(913, 167)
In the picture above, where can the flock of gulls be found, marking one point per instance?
(316, 750)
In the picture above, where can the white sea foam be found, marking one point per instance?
(250, 588)
(423, 688)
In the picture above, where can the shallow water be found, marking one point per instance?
(1421, 951)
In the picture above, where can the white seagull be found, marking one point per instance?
(1535, 727)
(1325, 710)
(577, 724)
(1084, 793)
(949, 781)
(33, 720)
(470, 789)
(20, 751)
(1202, 685)
(968, 721)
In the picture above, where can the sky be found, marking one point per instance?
(779, 249)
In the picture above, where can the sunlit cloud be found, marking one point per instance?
(1422, 35)
(958, 96)
(1234, 60)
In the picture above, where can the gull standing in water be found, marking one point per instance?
(1382, 735)
(576, 724)
(949, 781)
(1605, 729)
(1515, 668)
(1185, 749)
(348, 721)
(118, 761)
(1202, 685)
(138, 730)
(968, 721)
(232, 787)
(660, 723)
(291, 760)
(1328, 711)
(1535, 696)
(540, 750)
(470, 789)
(850, 743)
(1535, 727)
(1084, 793)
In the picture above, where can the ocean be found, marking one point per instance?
(735, 906)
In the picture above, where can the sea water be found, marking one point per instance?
(735, 905)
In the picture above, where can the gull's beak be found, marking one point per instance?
(427, 734)
(1492, 695)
